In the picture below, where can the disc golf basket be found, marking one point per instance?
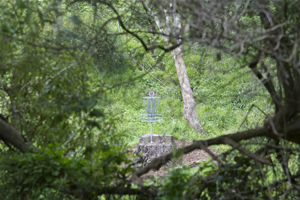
(151, 104)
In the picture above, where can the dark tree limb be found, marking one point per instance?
(134, 34)
(11, 136)
(143, 192)
(245, 151)
(160, 161)
(292, 133)
(266, 82)
(212, 155)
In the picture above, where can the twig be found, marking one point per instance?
(212, 155)
(150, 74)
(57, 74)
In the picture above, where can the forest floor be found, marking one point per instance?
(191, 159)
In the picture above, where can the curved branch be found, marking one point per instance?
(11, 136)
(292, 133)
(267, 82)
(236, 137)
(146, 47)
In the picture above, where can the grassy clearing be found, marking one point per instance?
(223, 91)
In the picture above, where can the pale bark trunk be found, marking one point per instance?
(189, 105)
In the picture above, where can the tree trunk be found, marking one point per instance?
(189, 105)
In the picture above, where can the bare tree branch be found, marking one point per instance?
(11, 136)
(245, 151)
(146, 47)
(160, 161)
(266, 82)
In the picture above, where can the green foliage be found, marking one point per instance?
(176, 184)
(49, 174)
(36, 176)
(239, 178)
(72, 84)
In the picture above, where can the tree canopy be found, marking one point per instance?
(72, 73)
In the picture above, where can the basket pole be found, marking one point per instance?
(151, 131)
(151, 116)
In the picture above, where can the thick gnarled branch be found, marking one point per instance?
(236, 137)
(292, 133)
(11, 136)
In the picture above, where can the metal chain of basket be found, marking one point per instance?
(151, 104)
